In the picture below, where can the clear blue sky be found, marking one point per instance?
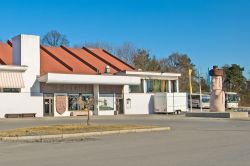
(204, 29)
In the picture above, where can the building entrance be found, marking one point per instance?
(48, 106)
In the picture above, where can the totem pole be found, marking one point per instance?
(217, 98)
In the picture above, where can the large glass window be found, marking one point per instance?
(150, 85)
(136, 88)
(79, 101)
(106, 101)
(156, 85)
(205, 98)
(72, 100)
(173, 86)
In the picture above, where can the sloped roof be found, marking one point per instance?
(90, 58)
(70, 60)
(110, 58)
(5, 54)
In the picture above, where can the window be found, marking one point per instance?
(136, 88)
(78, 101)
(156, 86)
(88, 98)
(173, 86)
(72, 100)
(106, 102)
(232, 98)
(150, 85)
(167, 86)
(12, 90)
(205, 99)
(163, 86)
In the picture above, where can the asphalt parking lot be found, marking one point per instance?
(192, 141)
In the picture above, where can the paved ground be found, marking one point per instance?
(192, 141)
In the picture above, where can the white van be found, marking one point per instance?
(205, 100)
(231, 100)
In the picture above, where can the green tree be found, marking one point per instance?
(142, 60)
(181, 63)
(204, 85)
(233, 78)
(154, 65)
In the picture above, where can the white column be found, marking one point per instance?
(125, 96)
(114, 101)
(169, 86)
(144, 86)
(96, 99)
(26, 51)
(177, 86)
(166, 85)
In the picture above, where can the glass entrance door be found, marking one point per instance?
(48, 103)
(119, 105)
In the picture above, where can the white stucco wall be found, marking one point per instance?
(21, 103)
(141, 103)
(26, 51)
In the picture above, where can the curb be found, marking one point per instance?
(79, 135)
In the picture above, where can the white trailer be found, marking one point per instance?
(170, 102)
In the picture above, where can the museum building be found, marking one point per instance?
(38, 80)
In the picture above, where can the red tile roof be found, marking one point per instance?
(70, 60)
(110, 58)
(89, 58)
(5, 54)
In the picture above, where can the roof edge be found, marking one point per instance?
(118, 59)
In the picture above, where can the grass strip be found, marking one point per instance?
(67, 129)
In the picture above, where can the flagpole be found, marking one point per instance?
(190, 89)
(208, 81)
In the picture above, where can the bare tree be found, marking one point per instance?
(85, 104)
(55, 38)
(99, 44)
(126, 52)
(88, 104)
